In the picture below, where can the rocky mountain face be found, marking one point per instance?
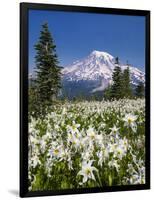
(93, 74)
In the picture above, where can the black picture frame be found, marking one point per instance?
(24, 7)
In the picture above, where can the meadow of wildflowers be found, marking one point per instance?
(88, 144)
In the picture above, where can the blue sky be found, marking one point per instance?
(77, 34)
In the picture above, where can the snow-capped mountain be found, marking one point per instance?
(97, 64)
(95, 72)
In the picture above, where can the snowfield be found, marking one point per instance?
(88, 144)
(98, 66)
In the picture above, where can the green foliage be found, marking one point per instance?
(127, 91)
(121, 87)
(108, 93)
(48, 72)
(32, 100)
(140, 90)
(116, 90)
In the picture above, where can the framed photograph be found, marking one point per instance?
(84, 99)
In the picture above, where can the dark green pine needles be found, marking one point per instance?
(48, 72)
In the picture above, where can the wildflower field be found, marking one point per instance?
(88, 144)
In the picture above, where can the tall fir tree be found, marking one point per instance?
(116, 89)
(107, 93)
(140, 90)
(126, 82)
(48, 71)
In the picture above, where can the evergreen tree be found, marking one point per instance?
(126, 82)
(116, 89)
(108, 93)
(48, 71)
(32, 100)
(140, 90)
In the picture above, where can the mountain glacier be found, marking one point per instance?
(94, 73)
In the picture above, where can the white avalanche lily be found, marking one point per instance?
(129, 120)
(87, 171)
(114, 130)
(75, 142)
(74, 128)
(56, 152)
(91, 133)
(35, 161)
(114, 163)
(100, 157)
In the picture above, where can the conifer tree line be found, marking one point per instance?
(121, 86)
(47, 82)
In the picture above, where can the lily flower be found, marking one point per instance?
(91, 133)
(129, 120)
(114, 130)
(87, 171)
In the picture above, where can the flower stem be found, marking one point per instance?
(100, 183)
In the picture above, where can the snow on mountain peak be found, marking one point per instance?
(97, 66)
(101, 53)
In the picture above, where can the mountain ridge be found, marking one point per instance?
(98, 67)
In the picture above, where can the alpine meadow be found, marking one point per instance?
(87, 118)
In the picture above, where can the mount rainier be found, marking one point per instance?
(93, 74)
